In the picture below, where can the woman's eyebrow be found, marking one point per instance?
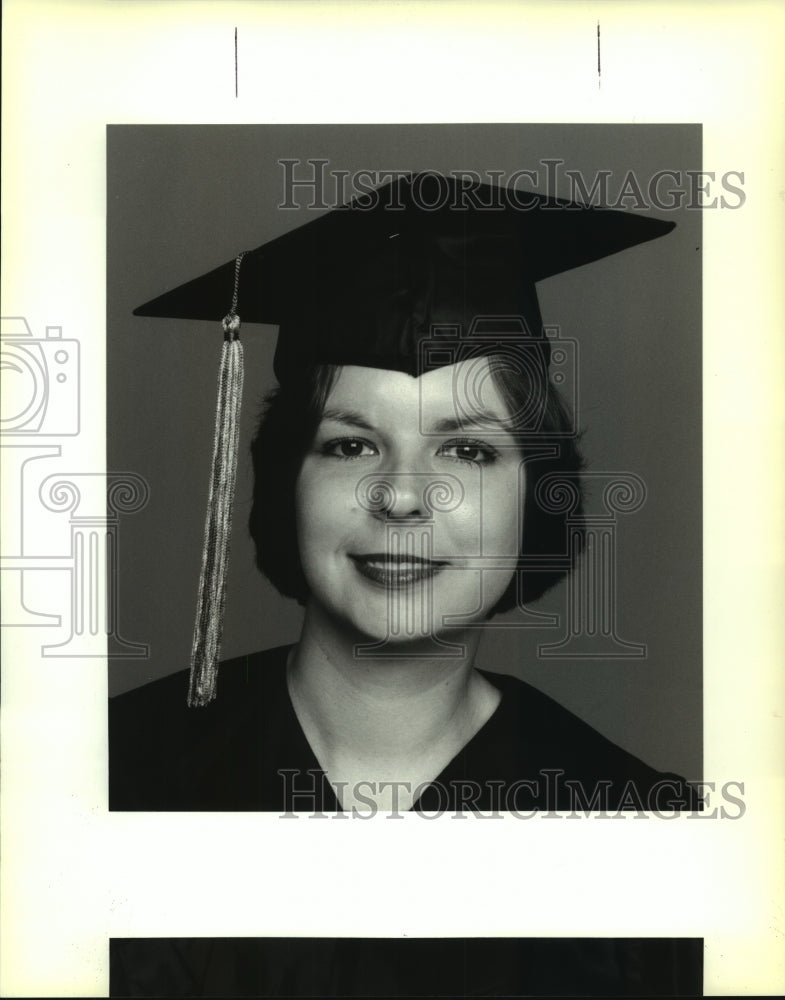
(479, 420)
(484, 420)
(349, 417)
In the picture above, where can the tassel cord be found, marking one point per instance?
(211, 600)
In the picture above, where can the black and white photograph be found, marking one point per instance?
(381, 503)
(433, 453)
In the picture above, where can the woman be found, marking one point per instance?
(397, 497)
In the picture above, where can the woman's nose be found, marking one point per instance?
(409, 496)
(397, 494)
(401, 494)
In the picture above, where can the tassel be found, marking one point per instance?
(208, 627)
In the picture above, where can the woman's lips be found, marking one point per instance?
(396, 571)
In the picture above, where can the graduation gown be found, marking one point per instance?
(247, 751)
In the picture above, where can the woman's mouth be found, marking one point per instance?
(396, 570)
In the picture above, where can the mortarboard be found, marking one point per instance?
(366, 284)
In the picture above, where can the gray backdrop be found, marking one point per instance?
(183, 199)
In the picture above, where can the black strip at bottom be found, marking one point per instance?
(427, 967)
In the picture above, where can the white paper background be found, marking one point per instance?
(72, 874)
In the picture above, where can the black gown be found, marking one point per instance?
(247, 751)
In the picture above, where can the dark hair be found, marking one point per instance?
(286, 429)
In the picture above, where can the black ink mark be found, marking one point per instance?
(235, 61)
(599, 78)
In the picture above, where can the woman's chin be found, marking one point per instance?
(401, 626)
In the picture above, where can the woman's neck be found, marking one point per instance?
(397, 719)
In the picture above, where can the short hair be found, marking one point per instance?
(285, 432)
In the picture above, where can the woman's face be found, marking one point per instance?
(409, 502)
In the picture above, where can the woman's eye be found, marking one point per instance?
(349, 448)
(469, 451)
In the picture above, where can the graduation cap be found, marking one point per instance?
(367, 284)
